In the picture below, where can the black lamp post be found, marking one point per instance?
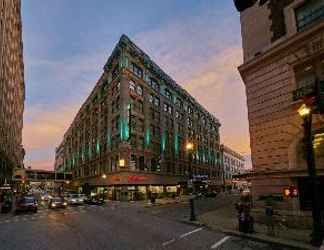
(189, 148)
(317, 233)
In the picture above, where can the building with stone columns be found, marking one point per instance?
(129, 136)
(232, 164)
(283, 45)
(12, 89)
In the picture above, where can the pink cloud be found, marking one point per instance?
(43, 130)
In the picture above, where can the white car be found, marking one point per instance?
(75, 199)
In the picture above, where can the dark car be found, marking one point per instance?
(26, 204)
(57, 202)
(6, 206)
(212, 194)
(94, 200)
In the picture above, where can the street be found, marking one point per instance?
(113, 226)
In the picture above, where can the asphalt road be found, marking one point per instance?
(115, 226)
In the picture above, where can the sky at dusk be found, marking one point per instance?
(67, 42)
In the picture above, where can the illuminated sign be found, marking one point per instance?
(136, 178)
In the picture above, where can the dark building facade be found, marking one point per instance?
(131, 132)
(12, 89)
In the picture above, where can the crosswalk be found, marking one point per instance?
(44, 213)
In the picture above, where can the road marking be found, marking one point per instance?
(194, 231)
(168, 242)
(222, 241)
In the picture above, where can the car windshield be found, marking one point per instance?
(29, 199)
(57, 199)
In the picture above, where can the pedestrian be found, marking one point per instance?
(269, 213)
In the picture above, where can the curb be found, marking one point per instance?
(267, 239)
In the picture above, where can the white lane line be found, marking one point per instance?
(168, 242)
(194, 231)
(219, 243)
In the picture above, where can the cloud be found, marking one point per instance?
(203, 56)
(201, 52)
(43, 130)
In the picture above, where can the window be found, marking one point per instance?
(309, 13)
(154, 84)
(190, 110)
(165, 107)
(156, 101)
(168, 94)
(151, 99)
(137, 70)
(132, 86)
(179, 103)
(139, 90)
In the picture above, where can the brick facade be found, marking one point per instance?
(138, 114)
(12, 89)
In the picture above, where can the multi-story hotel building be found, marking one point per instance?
(130, 134)
(12, 89)
(232, 163)
(283, 44)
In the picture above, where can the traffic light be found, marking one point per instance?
(290, 192)
(320, 96)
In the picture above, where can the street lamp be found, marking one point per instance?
(104, 176)
(317, 234)
(189, 148)
(121, 163)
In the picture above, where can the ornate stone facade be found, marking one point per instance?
(272, 71)
(12, 88)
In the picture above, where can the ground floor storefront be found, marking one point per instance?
(133, 185)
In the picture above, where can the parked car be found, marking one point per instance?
(26, 204)
(6, 206)
(57, 202)
(75, 199)
(211, 194)
(94, 200)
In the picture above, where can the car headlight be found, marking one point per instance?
(53, 205)
(42, 198)
(64, 203)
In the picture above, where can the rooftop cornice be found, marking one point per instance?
(125, 42)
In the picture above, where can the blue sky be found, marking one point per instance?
(66, 44)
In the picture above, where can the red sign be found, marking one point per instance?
(136, 178)
(116, 178)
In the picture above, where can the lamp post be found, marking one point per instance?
(189, 149)
(317, 234)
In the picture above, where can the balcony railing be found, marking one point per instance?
(304, 91)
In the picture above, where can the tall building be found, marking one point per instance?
(283, 44)
(130, 134)
(12, 88)
(233, 164)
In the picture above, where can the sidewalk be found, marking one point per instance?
(225, 219)
(169, 201)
